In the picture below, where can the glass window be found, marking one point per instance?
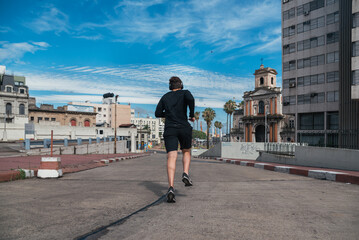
(53, 119)
(261, 80)
(331, 2)
(289, 14)
(333, 57)
(333, 96)
(355, 49)
(8, 89)
(289, 31)
(355, 20)
(332, 37)
(261, 107)
(300, 81)
(355, 77)
(22, 91)
(333, 18)
(333, 120)
(39, 119)
(22, 109)
(333, 76)
(8, 108)
(31, 119)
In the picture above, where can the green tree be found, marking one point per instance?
(196, 116)
(198, 134)
(208, 115)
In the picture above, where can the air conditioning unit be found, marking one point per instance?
(292, 85)
(306, 13)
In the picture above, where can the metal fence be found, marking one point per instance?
(282, 148)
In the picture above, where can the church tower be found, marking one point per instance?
(265, 77)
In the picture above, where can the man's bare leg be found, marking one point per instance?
(171, 167)
(186, 160)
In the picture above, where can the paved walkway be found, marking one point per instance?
(227, 202)
(70, 163)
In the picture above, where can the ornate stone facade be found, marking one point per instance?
(263, 118)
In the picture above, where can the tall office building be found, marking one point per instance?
(321, 70)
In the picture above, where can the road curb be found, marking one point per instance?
(13, 175)
(322, 174)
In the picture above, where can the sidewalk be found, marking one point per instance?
(70, 163)
(336, 175)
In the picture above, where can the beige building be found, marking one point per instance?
(61, 116)
(106, 112)
(263, 118)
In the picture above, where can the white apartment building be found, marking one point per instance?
(154, 124)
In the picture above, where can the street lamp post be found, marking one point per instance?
(114, 149)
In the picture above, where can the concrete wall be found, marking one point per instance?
(338, 158)
(276, 158)
(96, 148)
(241, 150)
(197, 152)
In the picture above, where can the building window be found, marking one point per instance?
(331, 2)
(305, 9)
(87, 123)
(53, 119)
(47, 119)
(333, 57)
(101, 131)
(288, 66)
(99, 109)
(39, 119)
(31, 119)
(310, 25)
(333, 96)
(311, 98)
(333, 18)
(311, 121)
(104, 115)
(291, 123)
(355, 49)
(310, 43)
(73, 122)
(333, 120)
(333, 76)
(22, 91)
(289, 100)
(311, 61)
(261, 107)
(355, 20)
(289, 14)
(289, 48)
(8, 108)
(332, 37)
(311, 80)
(8, 89)
(355, 77)
(289, 31)
(271, 80)
(22, 109)
(261, 81)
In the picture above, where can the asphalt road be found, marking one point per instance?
(227, 202)
(10, 149)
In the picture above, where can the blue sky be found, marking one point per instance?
(78, 50)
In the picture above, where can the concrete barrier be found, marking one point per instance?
(50, 167)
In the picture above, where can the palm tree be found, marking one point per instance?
(196, 116)
(220, 125)
(216, 125)
(229, 108)
(225, 109)
(208, 115)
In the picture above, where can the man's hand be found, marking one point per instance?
(192, 119)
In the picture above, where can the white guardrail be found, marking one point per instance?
(282, 148)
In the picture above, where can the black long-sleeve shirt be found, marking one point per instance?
(173, 107)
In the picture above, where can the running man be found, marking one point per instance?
(173, 107)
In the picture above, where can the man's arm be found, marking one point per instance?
(160, 110)
(190, 102)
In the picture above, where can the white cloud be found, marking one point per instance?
(135, 83)
(224, 25)
(13, 52)
(52, 19)
(4, 29)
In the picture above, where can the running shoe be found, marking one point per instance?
(171, 195)
(186, 179)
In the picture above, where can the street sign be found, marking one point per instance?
(29, 128)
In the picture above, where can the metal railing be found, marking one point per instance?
(282, 148)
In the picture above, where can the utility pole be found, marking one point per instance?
(114, 149)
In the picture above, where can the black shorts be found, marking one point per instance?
(174, 135)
